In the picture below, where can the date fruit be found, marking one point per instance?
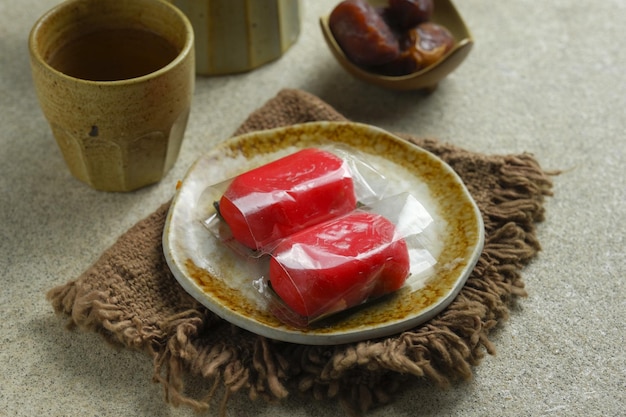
(431, 41)
(421, 47)
(395, 40)
(406, 14)
(362, 33)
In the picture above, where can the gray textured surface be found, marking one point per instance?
(544, 77)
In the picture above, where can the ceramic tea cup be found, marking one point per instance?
(239, 36)
(115, 81)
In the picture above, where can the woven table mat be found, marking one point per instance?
(130, 297)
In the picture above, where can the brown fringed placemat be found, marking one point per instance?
(131, 298)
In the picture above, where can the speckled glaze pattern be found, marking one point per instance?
(115, 135)
(219, 281)
(446, 14)
(239, 35)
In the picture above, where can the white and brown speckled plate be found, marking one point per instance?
(220, 281)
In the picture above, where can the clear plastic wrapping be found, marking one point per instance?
(324, 240)
(347, 261)
(259, 207)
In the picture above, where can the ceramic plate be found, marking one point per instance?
(219, 280)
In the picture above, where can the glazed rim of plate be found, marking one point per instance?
(405, 309)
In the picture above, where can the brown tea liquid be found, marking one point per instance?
(115, 54)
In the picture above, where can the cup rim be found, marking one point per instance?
(182, 54)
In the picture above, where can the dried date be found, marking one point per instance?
(363, 34)
(432, 41)
(406, 14)
(395, 40)
(421, 47)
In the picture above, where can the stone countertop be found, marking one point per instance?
(545, 78)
